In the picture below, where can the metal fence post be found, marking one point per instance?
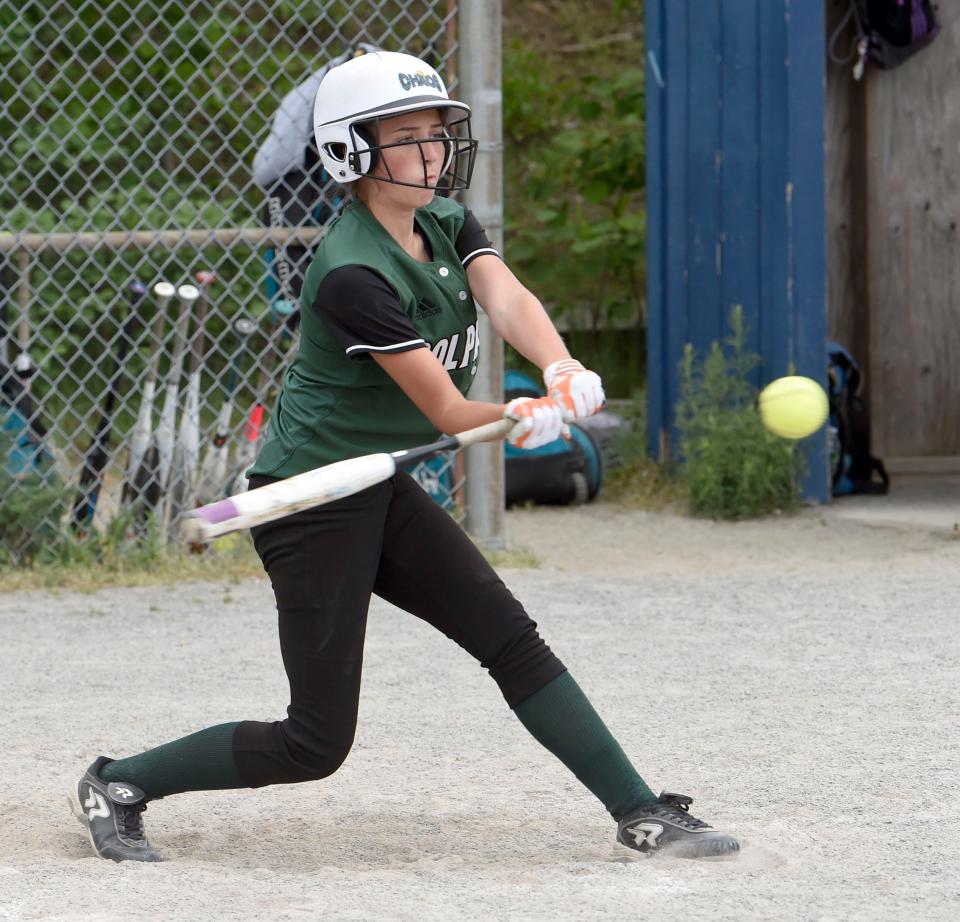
(480, 86)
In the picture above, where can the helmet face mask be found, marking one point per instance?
(355, 98)
(460, 151)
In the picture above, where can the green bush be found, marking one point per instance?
(731, 466)
(630, 441)
(634, 479)
(35, 528)
(26, 508)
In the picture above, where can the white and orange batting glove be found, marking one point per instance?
(539, 421)
(578, 391)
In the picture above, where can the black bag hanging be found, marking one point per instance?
(893, 30)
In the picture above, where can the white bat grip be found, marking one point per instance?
(487, 433)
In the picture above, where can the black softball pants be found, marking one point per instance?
(324, 563)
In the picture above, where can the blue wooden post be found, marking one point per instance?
(735, 194)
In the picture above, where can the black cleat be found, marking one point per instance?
(112, 812)
(666, 827)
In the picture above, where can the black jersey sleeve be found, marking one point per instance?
(472, 241)
(365, 312)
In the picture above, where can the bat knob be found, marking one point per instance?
(192, 531)
(24, 366)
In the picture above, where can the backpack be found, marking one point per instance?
(852, 468)
(890, 31)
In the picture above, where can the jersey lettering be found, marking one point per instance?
(471, 337)
(451, 361)
(446, 349)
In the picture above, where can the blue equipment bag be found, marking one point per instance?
(853, 469)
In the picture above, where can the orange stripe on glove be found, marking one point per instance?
(578, 391)
(539, 421)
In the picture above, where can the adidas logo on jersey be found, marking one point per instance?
(426, 309)
(409, 81)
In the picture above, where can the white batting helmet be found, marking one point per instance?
(354, 96)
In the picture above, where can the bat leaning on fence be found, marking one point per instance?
(143, 463)
(213, 472)
(95, 463)
(286, 304)
(321, 485)
(287, 316)
(255, 427)
(186, 463)
(166, 430)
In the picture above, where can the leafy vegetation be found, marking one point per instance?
(96, 561)
(731, 466)
(114, 123)
(27, 506)
(38, 548)
(117, 557)
(176, 99)
(575, 175)
(635, 480)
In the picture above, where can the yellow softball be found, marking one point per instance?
(793, 407)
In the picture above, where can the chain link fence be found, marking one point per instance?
(160, 200)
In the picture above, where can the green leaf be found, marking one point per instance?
(546, 215)
(596, 190)
(590, 109)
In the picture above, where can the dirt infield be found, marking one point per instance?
(800, 678)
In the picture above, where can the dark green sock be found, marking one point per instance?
(202, 761)
(560, 717)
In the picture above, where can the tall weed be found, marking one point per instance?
(732, 467)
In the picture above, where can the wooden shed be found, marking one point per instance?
(893, 248)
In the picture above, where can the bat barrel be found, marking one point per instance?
(285, 497)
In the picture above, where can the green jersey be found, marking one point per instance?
(364, 294)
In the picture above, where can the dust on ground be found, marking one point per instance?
(797, 676)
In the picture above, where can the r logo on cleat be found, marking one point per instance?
(646, 834)
(126, 793)
(95, 805)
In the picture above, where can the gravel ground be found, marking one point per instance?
(799, 677)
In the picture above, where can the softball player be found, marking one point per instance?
(388, 350)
